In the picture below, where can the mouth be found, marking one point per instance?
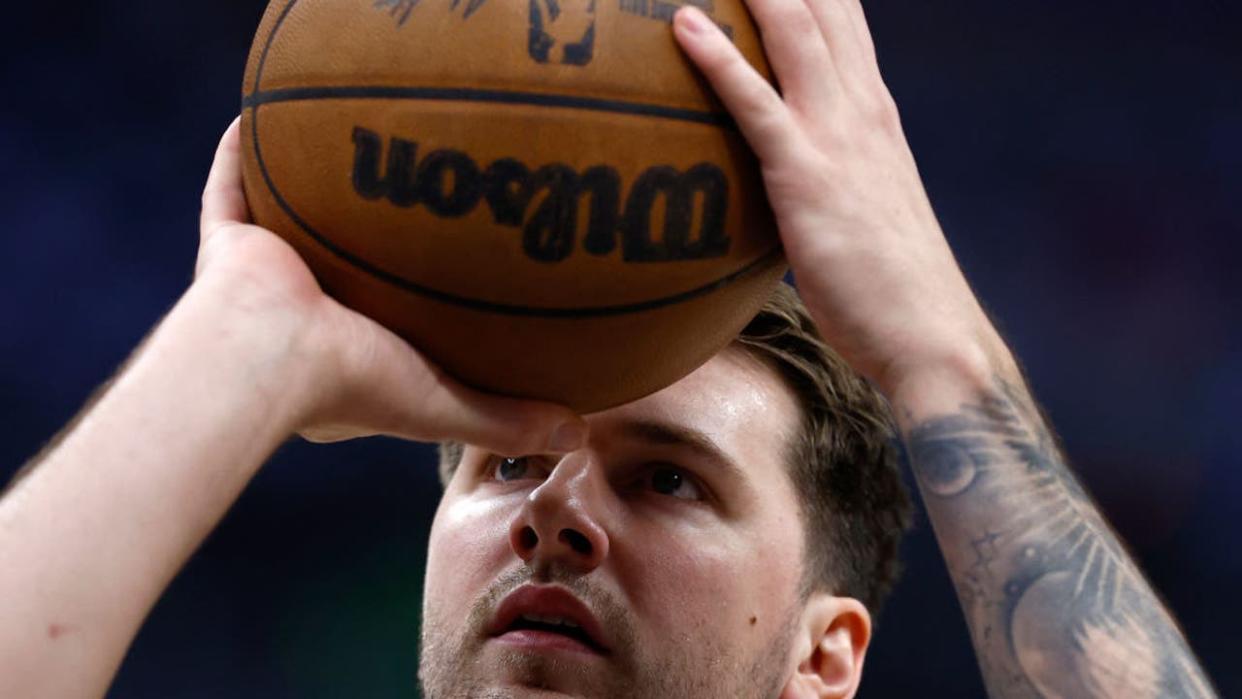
(550, 618)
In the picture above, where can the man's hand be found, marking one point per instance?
(97, 527)
(359, 378)
(869, 257)
(1054, 604)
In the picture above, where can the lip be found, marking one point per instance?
(546, 600)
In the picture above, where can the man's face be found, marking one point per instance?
(672, 541)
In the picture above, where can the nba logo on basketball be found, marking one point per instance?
(562, 31)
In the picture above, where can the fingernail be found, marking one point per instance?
(566, 438)
(692, 18)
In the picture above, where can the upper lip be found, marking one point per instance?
(547, 601)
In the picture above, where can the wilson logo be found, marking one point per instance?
(544, 202)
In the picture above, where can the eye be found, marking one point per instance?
(504, 469)
(511, 468)
(674, 482)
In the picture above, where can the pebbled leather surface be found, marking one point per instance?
(509, 281)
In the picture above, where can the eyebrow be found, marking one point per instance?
(683, 437)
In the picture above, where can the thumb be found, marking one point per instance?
(381, 385)
(508, 426)
(224, 201)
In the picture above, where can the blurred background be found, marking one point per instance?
(1086, 163)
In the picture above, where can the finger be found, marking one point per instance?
(862, 31)
(763, 117)
(848, 40)
(224, 201)
(392, 389)
(796, 50)
(506, 426)
(330, 434)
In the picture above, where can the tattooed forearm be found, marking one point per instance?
(1055, 606)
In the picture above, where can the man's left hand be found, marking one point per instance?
(869, 256)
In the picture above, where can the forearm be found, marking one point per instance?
(1055, 605)
(91, 536)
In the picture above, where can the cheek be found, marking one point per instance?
(468, 548)
(714, 587)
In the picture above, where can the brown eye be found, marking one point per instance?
(667, 480)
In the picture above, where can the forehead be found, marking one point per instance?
(735, 404)
(736, 401)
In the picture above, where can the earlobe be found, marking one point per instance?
(829, 649)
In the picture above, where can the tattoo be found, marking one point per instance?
(1055, 605)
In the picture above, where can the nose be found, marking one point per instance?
(560, 523)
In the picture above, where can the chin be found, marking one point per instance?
(516, 676)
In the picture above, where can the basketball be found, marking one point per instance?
(541, 196)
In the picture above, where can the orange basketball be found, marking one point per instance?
(542, 196)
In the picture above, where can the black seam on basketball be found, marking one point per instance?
(467, 94)
(769, 258)
(464, 94)
(271, 39)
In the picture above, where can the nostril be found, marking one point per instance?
(577, 541)
(528, 538)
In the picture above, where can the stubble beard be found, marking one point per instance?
(698, 665)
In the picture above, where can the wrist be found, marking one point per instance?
(172, 441)
(259, 345)
(937, 383)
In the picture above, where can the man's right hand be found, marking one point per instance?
(354, 377)
(254, 351)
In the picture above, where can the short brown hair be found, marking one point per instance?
(843, 461)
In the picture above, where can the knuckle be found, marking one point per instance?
(802, 29)
(764, 103)
(793, 17)
(724, 60)
(768, 128)
(881, 111)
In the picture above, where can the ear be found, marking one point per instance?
(829, 647)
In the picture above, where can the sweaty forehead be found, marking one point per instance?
(734, 400)
(735, 405)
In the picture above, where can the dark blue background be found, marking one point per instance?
(1086, 162)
